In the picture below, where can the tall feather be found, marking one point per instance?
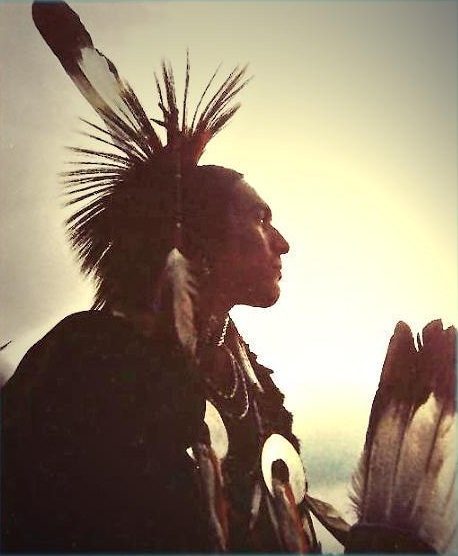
(406, 475)
(104, 185)
(96, 77)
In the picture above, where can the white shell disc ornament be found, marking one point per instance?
(275, 448)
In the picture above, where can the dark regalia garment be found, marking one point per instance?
(95, 426)
(96, 423)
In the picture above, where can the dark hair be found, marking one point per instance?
(207, 196)
(143, 228)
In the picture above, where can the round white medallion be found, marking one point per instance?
(275, 448)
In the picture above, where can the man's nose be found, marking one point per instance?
(280, 244)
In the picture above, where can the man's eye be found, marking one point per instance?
(262, 218)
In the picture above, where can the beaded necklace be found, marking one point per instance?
(239, 387)
(237, 393)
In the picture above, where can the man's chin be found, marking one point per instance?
(264, 299)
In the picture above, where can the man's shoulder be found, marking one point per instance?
(68, 343)
(87, 322)
(85, 329)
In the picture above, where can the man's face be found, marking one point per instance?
(249, 267)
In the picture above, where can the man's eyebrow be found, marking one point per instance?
(263, 206)
(258, 204)
(254, 207)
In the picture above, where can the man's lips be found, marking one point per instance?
(270, 272)
(277, 271)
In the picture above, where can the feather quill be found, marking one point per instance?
(290, 528)
(329, 517)
(211, 481)
(406, 475)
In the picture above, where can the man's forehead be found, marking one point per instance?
(246, 198)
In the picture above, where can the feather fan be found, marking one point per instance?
(404, 487)
(101, 185)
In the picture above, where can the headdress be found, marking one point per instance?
(133, 189)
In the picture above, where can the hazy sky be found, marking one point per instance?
(348, 130)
